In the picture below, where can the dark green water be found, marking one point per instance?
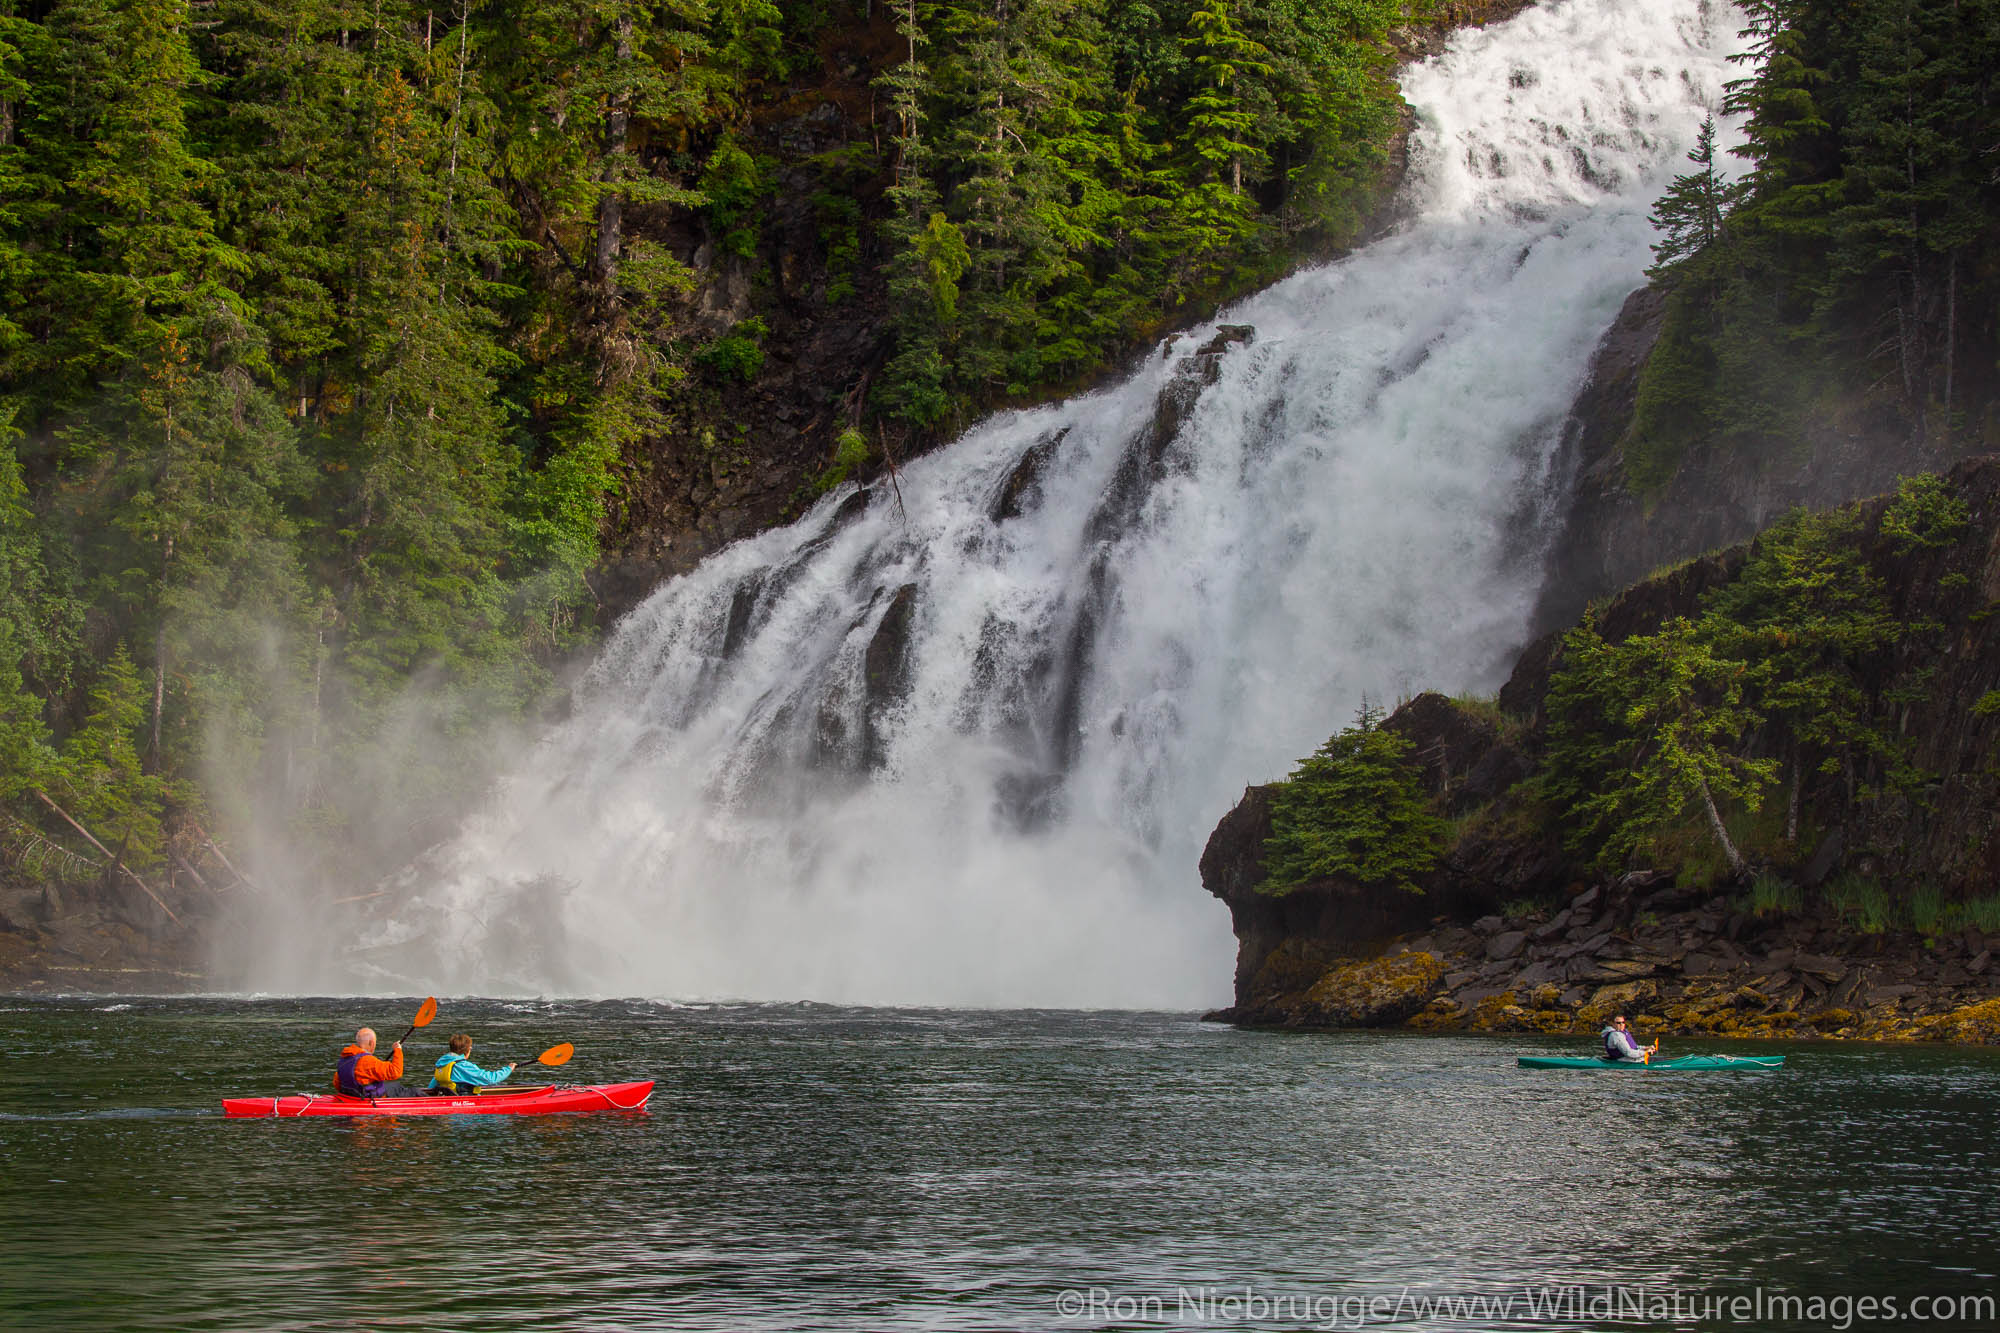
(806, 1167)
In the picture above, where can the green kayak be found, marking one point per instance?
(1680, 1062)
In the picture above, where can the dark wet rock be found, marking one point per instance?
(1023, 484)
(1553, 927)
(1507, 944)
(886, 670)
(1226, 336)
(742, 605)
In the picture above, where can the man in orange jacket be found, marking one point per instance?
(360, 1074)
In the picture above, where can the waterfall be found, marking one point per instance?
(960, 740)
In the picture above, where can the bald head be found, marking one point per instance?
(365, 1039)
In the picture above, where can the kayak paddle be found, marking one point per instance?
(553, 1056)
(425, 1014)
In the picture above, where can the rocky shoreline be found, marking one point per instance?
(1677, 962)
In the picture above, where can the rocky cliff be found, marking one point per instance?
(1516, 932)
(1614, 533)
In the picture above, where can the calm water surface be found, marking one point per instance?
(808, 1167)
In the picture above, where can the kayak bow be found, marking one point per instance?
(507, 1101)
(1682, 1062)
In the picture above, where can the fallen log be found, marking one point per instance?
(113, 856)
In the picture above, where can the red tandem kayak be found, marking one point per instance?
(507, 1101)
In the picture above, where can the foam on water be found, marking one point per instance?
(1011, 810)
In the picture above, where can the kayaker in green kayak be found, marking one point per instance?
(455, 1075)
(1620, 1046)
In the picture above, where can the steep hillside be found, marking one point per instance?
(1831, 691)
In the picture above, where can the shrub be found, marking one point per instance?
(1353, 809)
(740, 352)
(1924, 516)
(850, 453)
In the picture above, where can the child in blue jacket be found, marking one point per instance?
(455, 1074)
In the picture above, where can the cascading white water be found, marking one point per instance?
(963, 746)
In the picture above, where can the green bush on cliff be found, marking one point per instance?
(1925, 515)
(1352, 810)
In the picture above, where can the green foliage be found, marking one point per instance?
(1861, 902)
(1354, 810)
(850, 455)
(1809, 617)
(740, 352)
(1690, 214)
(838, 214)
(1861, 231)
(1987, 704)
(1645, 734)
(1924, 516)
(25, 757)
(735, 185)
(100, 778)
(1924, 907)
(1979, 913)
(1069, 174)
(1784, 673)
(1774, 895)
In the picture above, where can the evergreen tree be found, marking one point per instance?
(1216, 213)
(25, 756)
(1690, 214)
(1809, 616)
(126, 248)
(1643, 733)
(1352, 810)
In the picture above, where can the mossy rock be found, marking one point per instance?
(1440, 1015)
(1375, 993)
(1610, 1001)
(1495, 1013)
(1555, 1022)
(1979, 1023)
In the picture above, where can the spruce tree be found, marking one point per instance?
(1689, 216)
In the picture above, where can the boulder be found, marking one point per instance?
(1609, 1001)
(1378, 992)
(1507, 944)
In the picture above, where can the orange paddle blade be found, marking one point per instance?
(556, 1055)
(425, 1014)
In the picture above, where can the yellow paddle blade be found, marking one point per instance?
(556, 1055)
(425, 1014)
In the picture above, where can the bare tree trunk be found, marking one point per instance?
(160, 663)
(159, 691)
(1721, 834)
(1792, 803)
(610, 205)
(1950, 329)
